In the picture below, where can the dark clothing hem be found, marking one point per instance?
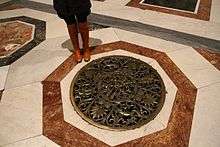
(67, 8)
(82, 17)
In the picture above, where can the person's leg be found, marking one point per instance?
(72, 29)
(84, 30)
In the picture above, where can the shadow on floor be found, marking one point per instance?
(92, 42)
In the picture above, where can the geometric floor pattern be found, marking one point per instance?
(177, 129)
(14, 48)
(35, 105)
(201, 11)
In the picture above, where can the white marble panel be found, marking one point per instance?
(21, 113)
(35, 66)
(199, 71)
(206, 121)
(102, 36)
(215, 11)
(39, 141)
(148, 41)
(3, 76)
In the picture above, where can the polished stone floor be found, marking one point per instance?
(37, 67)
(187, 5)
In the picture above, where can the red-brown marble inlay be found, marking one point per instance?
(203, 12)
(13, 36)
(212, 56)
(177, 132)
(54, 126)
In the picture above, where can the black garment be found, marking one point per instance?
(82, 17)
(67, 8)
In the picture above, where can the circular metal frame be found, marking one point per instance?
(90, 121)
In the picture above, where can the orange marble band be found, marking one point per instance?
(177, 132)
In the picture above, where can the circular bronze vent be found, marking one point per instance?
(117, 93)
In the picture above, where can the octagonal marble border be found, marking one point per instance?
(113, 137)
(175, 134)
(39, 35)
(32, 35)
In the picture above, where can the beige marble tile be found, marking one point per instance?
(3, 76)
(213, 29)
(117, 2)
(124, 35)
(35, 66)
(68, 109)
(181, 24)
(29, 13)
(12, 13)
(215, 11)
(39, 141)
(52, 44)
(152, 126)
(199, 71)
(21, 113)
(128, 13)
(148, 41)
(39, 14)
(206, 121)
(63, 42)
(102, 36)
(123, 53)
(98, 6)
(56, 27)
(114, 138)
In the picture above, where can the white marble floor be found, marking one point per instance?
(21, 103)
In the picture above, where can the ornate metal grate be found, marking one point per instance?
(117, 93)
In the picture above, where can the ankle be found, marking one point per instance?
(87, 54)
(78, 56)
(77, 50)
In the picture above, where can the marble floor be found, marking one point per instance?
(37, 67)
